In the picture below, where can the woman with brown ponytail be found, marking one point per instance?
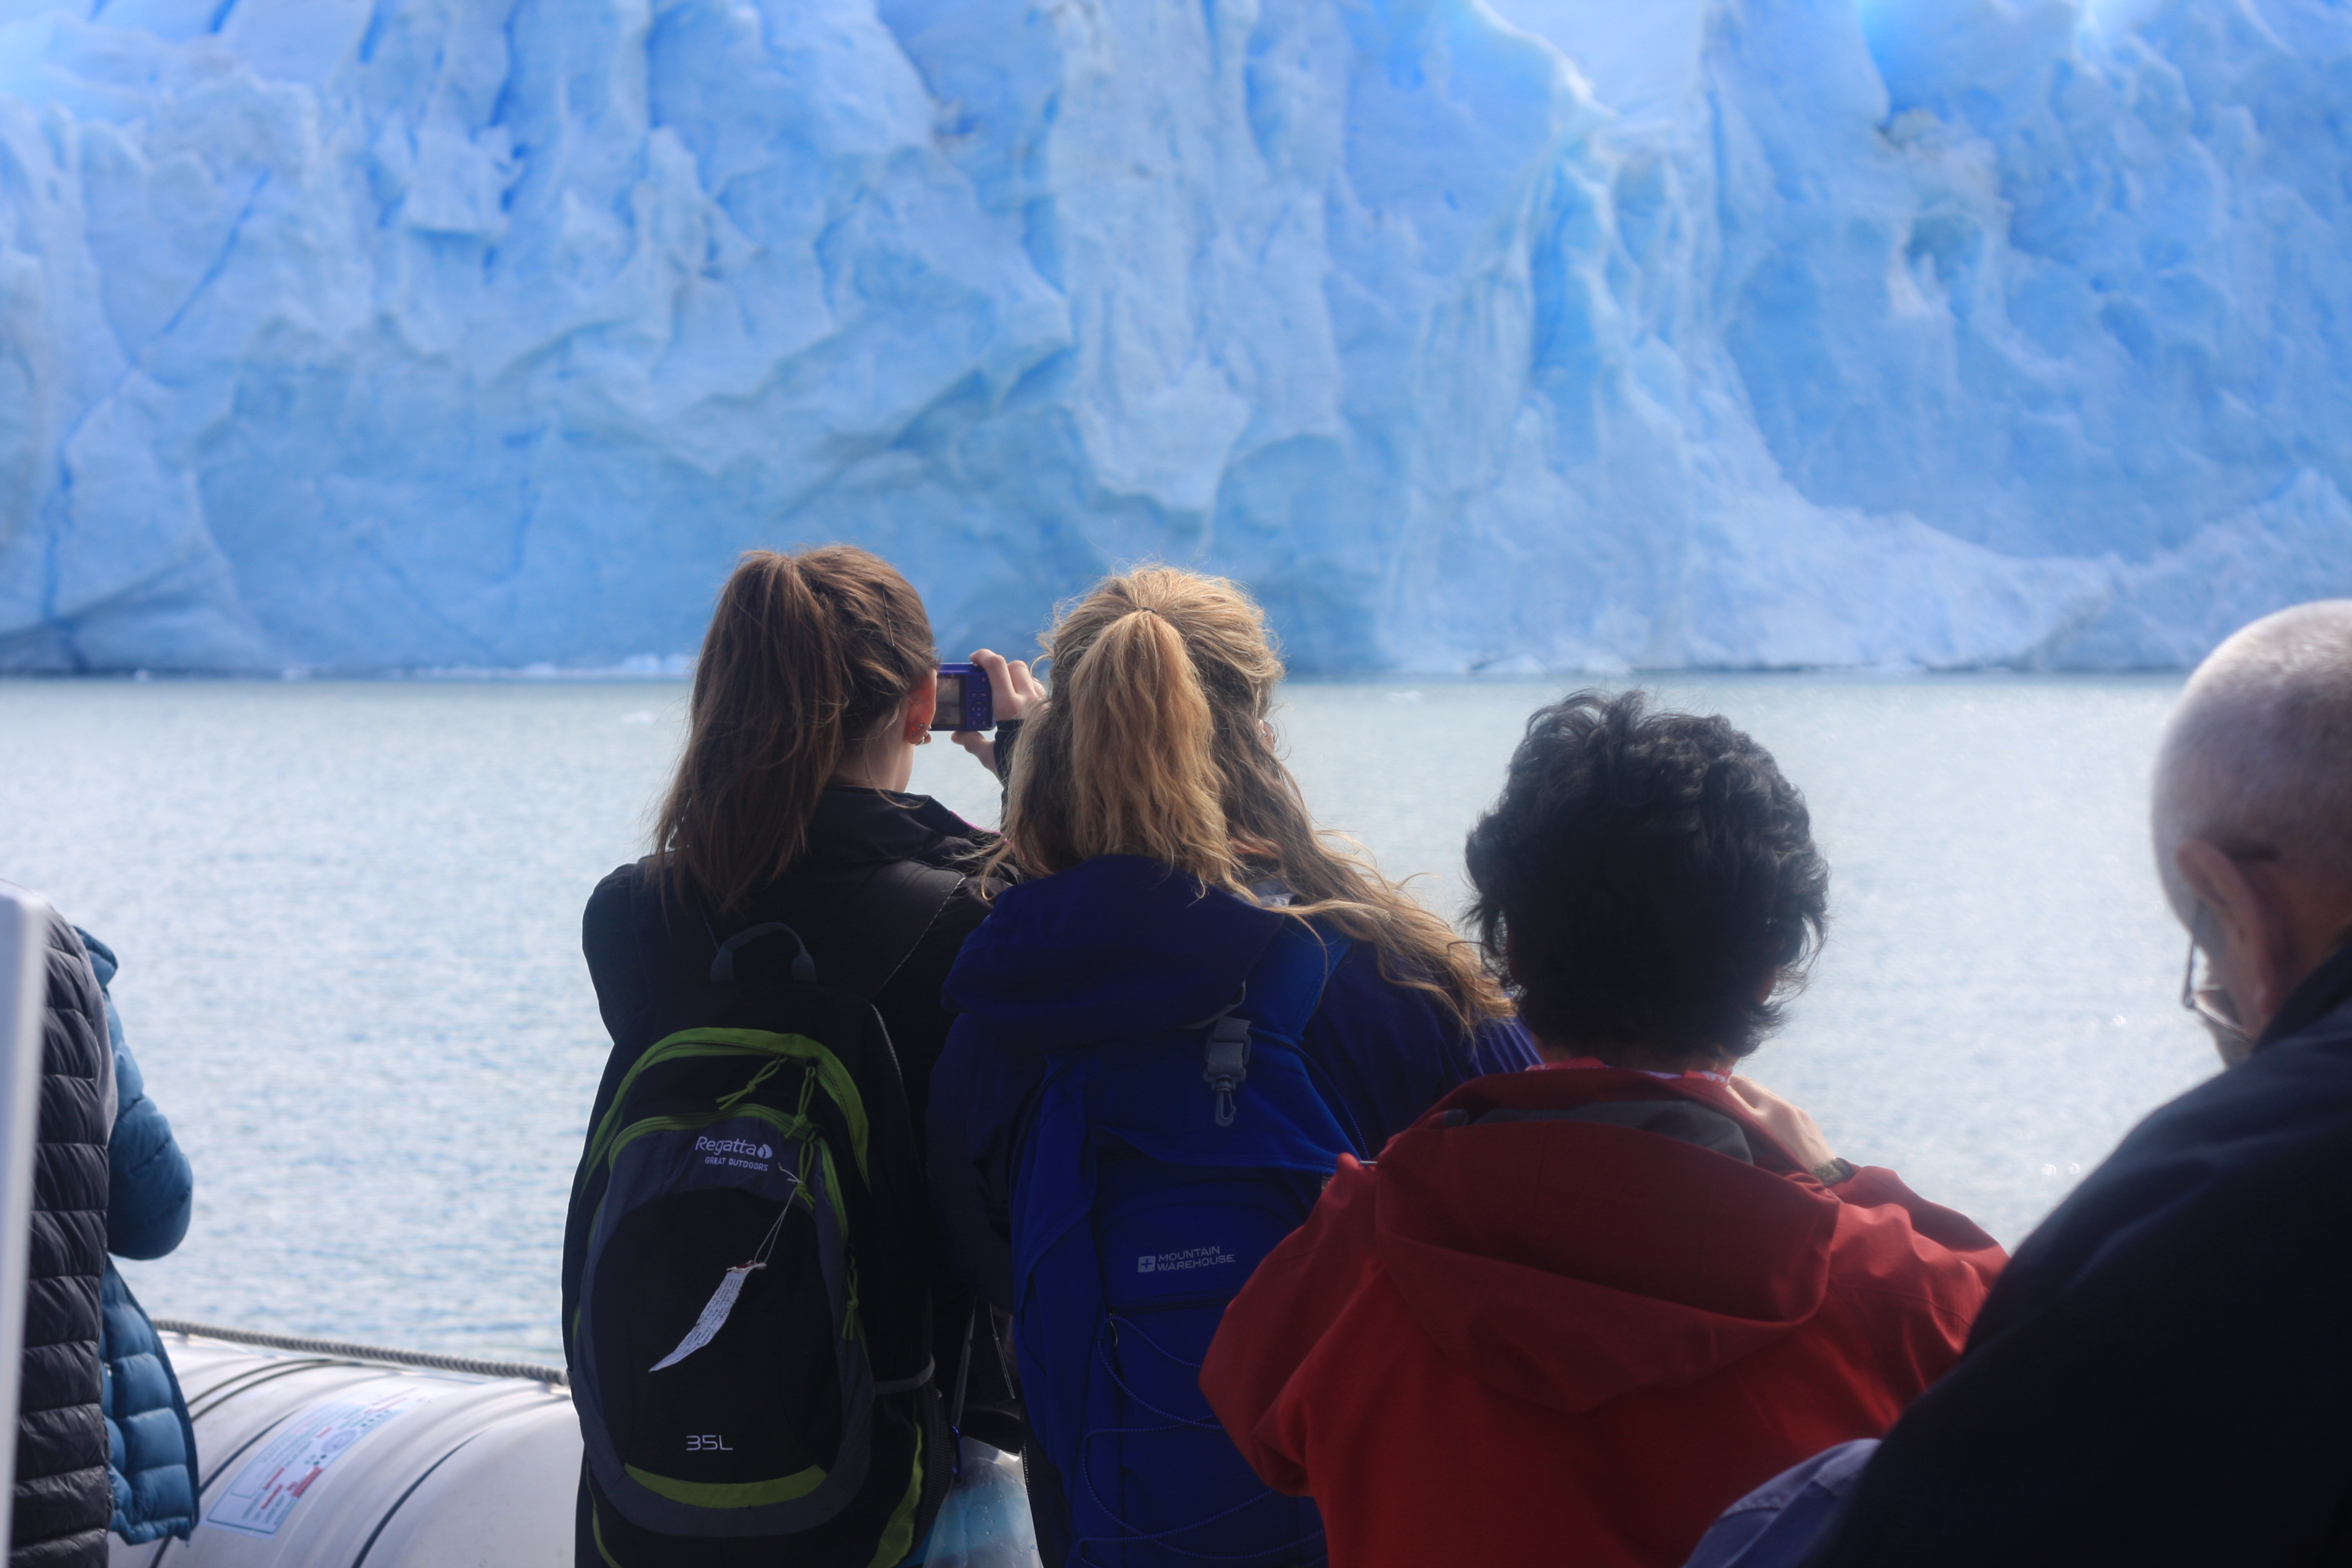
(1167, 852)
(816, 682)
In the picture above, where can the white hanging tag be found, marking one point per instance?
(714, 1315)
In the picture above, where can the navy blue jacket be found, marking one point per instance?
(1118, 946)
(150, 1193)
(2164, 1373)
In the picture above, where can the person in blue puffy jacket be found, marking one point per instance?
(1165, 847)
(152, 1443)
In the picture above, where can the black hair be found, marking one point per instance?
(1642, 880)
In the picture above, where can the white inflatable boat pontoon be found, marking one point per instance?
(337, 1456)
(317, 1454)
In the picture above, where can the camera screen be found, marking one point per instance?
(948, 714)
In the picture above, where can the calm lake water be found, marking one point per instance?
(348, 915)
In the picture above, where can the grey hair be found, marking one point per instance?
(2258, 753)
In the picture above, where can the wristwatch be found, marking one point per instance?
(1831, 1173)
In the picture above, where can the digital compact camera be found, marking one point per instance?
(965, 701)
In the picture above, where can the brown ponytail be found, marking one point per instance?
(806, 654)
(1153, 744)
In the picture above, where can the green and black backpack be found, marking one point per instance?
(750, 1337)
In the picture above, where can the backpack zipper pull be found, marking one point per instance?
(728, 1101)
(1228, 1062)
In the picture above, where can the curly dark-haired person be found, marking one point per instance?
(1574, 1311)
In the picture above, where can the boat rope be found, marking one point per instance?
(432, 1361)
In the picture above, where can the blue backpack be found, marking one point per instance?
(1155, 1172)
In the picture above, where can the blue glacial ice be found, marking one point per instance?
(397, 333)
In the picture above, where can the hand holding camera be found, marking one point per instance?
(989, 691)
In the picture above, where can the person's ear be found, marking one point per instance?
(2214, 878)
(2220, 884)
(922, 703)
(2254, 949)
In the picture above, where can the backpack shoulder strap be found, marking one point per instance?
(1280, 995)
(893, 912)
(854, 929)
(1286, 985)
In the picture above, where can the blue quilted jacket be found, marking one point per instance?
(152, 1443)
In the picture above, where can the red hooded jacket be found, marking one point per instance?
(1536, 1333)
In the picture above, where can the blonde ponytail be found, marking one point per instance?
(1153, 744)
(1143, 766)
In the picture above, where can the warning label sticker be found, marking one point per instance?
(258, 1501)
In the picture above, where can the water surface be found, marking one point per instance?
(348, 915)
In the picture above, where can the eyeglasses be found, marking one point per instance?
(2214, 1010)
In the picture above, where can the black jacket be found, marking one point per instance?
(642, 947)
(64, 1500)
(2164, 1373)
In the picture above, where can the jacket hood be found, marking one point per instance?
(1113, 946)
(1570, 1261)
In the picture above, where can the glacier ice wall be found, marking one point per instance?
(387, 334)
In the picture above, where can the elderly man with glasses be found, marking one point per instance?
(2164, 1374)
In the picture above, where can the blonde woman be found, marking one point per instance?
(1170, 875)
